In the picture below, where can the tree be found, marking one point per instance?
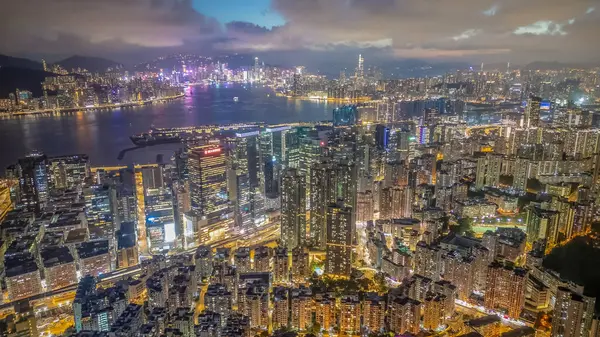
(464, 225)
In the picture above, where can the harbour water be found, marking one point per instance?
(103, 134)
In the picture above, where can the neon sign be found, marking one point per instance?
(212, 151)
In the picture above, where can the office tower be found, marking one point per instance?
(281, 308)
(33, 181)
(247, 190)
(208, 190)
(94, 258)
(59, 267)
(404, 315)
(373, 312)
(323, 192)
(360, 69)
(573, 314)
(505, 288)
(302, 306)
(68, 172)
(300, 265)
(127, 250)
(532, 112)
(293, 209)
(428, 261)
(382, 136)
(339, 240)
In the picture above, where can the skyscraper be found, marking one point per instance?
(208, 188)
(293, 209)
(532, 112)
(33, 180)
(339, 240)
(323, 193)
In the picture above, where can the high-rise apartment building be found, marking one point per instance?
(573, 314)
(293, 209)
(340, 236)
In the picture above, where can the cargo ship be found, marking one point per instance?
(155, 137)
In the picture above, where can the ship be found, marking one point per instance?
(235, 99)
(154, 137)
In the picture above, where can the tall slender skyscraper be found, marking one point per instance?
(293, 209)
(323, 192)
(339, 240)
(33, 180)
(208, 188)
(532, 112)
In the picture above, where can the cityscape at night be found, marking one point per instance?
(291, 168)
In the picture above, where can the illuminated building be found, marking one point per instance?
(322, 193)
(302, 307)
(68, 172)
(245, 187)
(22, 277)
(345, 115)
(433, 309)
(325, 311)
(448, 290)
(59, 267)
(486, 326)
(204, 262)
(33, 181)
(208, 190)
(293, 209)
(364, 206)
(382, 136)
(242, 260)
(127, 251)
(253, 302)
(339, 240)
(532, 112)
(404, 315)
(349, 315)
(461, 272)
(281, 308)
(542, 224)
(94, 258)
(428, 261)
(395, 203)
(281, 266)
(505, 289)
(373, 312)
(573, 314)
(263, 259)
(218, 299)
(300, 265)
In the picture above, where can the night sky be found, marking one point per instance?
(519, 31)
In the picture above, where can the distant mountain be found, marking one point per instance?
(13, 78)
(93, 64)
(18, 62)
(552, 66)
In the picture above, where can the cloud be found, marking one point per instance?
(481, 30)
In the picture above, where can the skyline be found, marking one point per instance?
(315, 31)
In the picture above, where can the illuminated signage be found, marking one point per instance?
(212, 151)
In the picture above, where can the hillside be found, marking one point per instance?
(12, 78)
(18, 62)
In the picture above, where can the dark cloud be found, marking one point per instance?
(482, 30)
